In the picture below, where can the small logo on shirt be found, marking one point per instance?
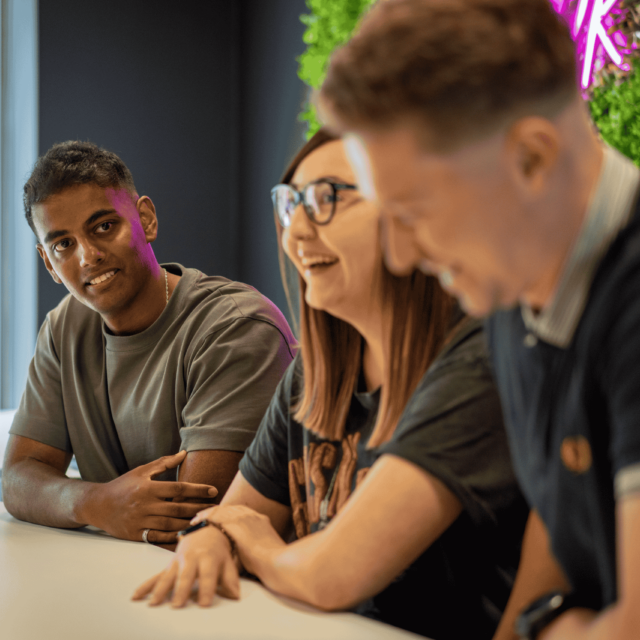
(576, 454)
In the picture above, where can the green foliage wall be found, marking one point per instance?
(330, 24)
(615, 106)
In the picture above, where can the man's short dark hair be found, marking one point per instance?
(73, 163)
(460, 67)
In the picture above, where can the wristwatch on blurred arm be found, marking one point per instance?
(542, 613)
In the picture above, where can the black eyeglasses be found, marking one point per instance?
(319, 200)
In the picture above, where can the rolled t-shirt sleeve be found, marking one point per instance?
(265, 464)
(230, 381)
(452, 428)
(41, 415)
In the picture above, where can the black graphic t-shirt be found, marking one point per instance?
(452, 428)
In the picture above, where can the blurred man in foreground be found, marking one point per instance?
(465, 122)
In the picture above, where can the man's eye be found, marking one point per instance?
(104, 226)
(61, 246)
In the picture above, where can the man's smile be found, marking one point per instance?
(103, 277)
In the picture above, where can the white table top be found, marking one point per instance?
(59, 584)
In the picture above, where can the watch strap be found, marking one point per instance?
(542, 613)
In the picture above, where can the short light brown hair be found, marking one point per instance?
(331, 349)
(462, 67)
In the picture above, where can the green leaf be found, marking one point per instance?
(330, 24)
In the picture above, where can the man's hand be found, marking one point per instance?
(203, 555)
(128, 505)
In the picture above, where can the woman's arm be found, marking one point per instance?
(397, 512)
(206, 554)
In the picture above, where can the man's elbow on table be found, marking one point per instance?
(27, 467)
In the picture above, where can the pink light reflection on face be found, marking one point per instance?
(590, 22)
(123, 202)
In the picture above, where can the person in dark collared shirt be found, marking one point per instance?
(464, 121)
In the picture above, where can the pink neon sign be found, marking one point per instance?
(593, 27)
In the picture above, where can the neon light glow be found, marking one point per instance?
(593, 27)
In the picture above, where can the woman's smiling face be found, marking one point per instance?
(338, 261)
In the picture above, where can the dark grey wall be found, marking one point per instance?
(200, 99)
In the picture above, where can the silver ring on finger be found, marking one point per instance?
(145, 536)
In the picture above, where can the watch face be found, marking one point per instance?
(541, 613)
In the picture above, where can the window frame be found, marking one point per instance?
(18, 153)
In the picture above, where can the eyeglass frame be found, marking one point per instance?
(300, 199)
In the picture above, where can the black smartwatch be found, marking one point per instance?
(543, 612)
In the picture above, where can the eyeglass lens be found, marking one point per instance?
(285, 202)
(319, 201)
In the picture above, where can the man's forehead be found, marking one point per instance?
(403, 166)
(77, 198)
(77, 204)
(392, 160)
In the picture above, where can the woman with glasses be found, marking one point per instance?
(383, 448)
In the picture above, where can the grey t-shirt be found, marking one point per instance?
(201, 377)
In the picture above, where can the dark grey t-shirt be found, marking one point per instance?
(201, 377)
(452, 428)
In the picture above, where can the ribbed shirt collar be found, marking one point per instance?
(608, 212)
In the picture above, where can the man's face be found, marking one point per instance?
(457, 215)
(96, 242)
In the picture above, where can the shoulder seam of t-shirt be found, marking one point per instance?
(467, 330)
(218, 290)
(250, 290)
(246, 319)
(454, 357)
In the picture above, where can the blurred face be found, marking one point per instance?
(338, 261)
(457, 215)
(96, 242)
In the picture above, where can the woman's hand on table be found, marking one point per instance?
(252, 532)
(205, 556)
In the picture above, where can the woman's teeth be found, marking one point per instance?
(317, 260)
(103, 277)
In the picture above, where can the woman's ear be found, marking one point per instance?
(148, 219)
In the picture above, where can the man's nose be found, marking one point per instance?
(400, 254)
(90, 254)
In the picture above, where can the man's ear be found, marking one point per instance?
(532, 146)
(148, 219)
(47, 263)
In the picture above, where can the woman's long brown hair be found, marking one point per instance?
(331, 349)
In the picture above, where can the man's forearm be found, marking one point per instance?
(617, 622)
(36, 492)
(538, 573)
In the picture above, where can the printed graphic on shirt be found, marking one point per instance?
(310, 477)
